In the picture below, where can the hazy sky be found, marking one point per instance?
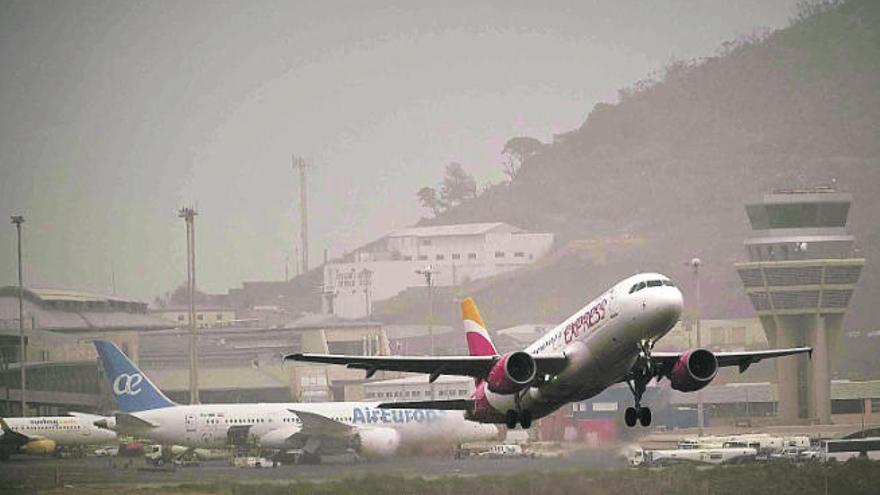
(114, 114)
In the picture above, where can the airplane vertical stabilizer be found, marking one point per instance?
(132, 389)
(478, 340)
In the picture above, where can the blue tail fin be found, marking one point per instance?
(132, 389)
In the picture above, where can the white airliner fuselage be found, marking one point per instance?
(275, 425)
(43, 434)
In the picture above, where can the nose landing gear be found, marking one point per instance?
(637, 383)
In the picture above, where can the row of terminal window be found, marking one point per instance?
(470, 256)
(650, 283)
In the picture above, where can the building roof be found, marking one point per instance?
(65, 295)
(460, 229)
(75, 311)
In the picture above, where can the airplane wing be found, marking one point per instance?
(13, 437)
(444, 405)
(742, 359)
(317, 424)
(474, 366)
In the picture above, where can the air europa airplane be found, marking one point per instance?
(314, 429)
(609, 341)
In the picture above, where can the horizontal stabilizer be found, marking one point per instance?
(126, 421)
(442, 405)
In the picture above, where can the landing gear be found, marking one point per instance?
(637, 383)
(511, 419)
(642, 415)
(523, 418)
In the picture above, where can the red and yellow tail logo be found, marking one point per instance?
(479, 342)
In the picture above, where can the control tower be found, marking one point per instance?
(800, 276)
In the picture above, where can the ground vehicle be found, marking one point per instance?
(107, 452)
(640, 457)
(505, 450)
(848, 448)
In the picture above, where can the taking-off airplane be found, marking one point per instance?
(609, 341)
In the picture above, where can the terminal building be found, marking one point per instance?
(62, 370)
(800, 276)
(456, 253)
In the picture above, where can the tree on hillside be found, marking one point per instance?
(516, 151)
(458, 186)
(429, 199)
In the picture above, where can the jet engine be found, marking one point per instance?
(377, 442)
(512, 373)
(42, 446)
(693, 371)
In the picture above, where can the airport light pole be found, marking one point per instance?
(189, 214)
(18, 220)
(428, 273)
(695, 264)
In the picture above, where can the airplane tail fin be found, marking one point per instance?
(132, 389)
(478, 340)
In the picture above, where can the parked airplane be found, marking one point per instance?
(42, 435)
(314, 429)
(610, 340)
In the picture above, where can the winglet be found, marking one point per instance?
(479, 342)
(5, 427)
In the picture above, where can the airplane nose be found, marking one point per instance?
(673, 303)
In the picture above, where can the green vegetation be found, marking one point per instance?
(851, 478)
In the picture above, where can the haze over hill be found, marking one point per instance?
(674, 162)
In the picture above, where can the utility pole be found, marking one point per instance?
(18, 220)
(301, 165)
(189, 215)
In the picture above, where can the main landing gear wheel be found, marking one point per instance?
(511, 419)
(630, 416)
(525, 420)
(645, 416)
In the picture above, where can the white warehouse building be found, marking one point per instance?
(456, 253)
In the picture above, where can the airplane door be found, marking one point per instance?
(612, 305)
(190, 424)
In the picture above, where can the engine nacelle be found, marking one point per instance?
(43, 446)
(512, 373)
(693, 371)
(377, 442)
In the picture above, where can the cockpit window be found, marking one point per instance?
(655, 283)
(669, 283)
(635, 288)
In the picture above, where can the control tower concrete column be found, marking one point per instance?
(800, 277)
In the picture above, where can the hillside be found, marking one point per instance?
(674, 162)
